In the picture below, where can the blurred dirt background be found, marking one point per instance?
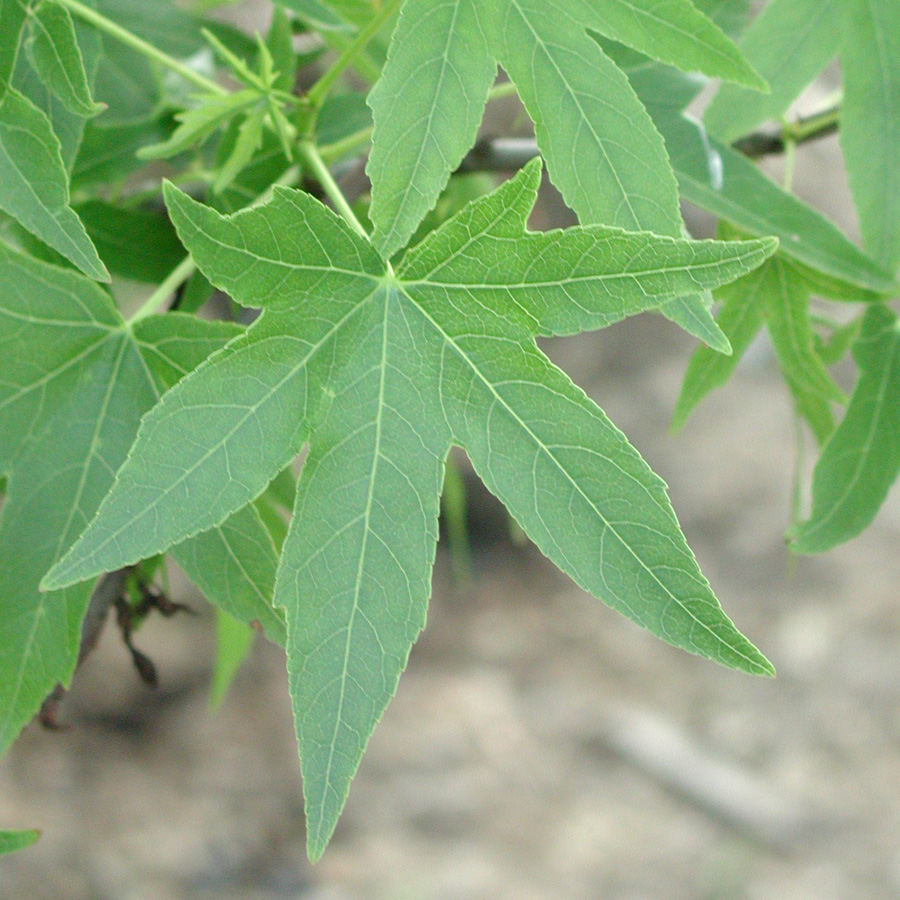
(540, 746)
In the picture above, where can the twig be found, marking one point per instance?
(105, 595)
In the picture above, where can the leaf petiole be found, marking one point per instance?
(310, 155)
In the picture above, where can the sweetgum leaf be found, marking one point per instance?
(68, 126)
(861, 460)
(719, 179)
(381, 372)
(789, 44)
(870, 123)
(34, 186)
(56, 57)
(778, 295)
(601, 148)
(12, 22)
(74, 383)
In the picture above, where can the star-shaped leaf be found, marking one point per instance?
(601, 148)
(74, 383)
(380, 372)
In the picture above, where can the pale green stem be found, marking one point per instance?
(790, 159)
(177, 277)
(141, 46)
(347, 145)
(504, 89)
(818, 123)
(320, 89)
(310, 155)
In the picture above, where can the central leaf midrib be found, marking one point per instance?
(360, 571)
(613, 276)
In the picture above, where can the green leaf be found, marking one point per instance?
(68, 126)
(160, 22)
(730, 15)
(861, 460)
(427, 107)
(280, 44)
(12, 22)
(233, 642)
(249, 137)
(75, 381)
(34, 185)
(11, 841)
(741, 317)
(720, 180)
(442, 60)
(677, 33)
(342, 115)
(199, 123)
(55, 55)
(778, 294)
(134, 243)
(318, 15)
(128, 85)
(835, 347)
(870, 123)
(429, 103)
(108, 153)
(811, 386)
(380, 373)
(792, 333)
(788, 44)
(234, 566)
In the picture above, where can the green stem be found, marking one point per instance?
(790, 160)
(141, 46)
(504, 89)
(310, 155)
(320, 89)
(167, 287)
(821, 123)
(346, 146)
